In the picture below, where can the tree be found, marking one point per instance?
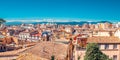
(2, 21)
(52, 57)
(78, 57)
(93, 53)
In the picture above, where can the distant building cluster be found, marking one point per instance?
(106, 35)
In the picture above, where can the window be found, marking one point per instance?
(1, 48)
(99, 46)
(114, 57)
(115, 46)
(106, 46)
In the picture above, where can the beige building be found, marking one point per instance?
(101, 33)
(117, 33)
(108, 45)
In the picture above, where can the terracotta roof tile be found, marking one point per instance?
(103, 40)
(47, 49)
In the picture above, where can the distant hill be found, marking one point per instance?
(65, 23)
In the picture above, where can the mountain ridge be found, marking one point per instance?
(59, 23)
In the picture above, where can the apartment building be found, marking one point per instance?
(108, 45)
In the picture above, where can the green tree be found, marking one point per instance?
(78, 57)
(93, 53)
(52, 57)
(2, 20)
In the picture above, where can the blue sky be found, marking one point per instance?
(61, 9)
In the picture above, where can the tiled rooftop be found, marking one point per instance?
(47, 49)
(103, 40)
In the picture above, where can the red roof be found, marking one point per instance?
(77, 36)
